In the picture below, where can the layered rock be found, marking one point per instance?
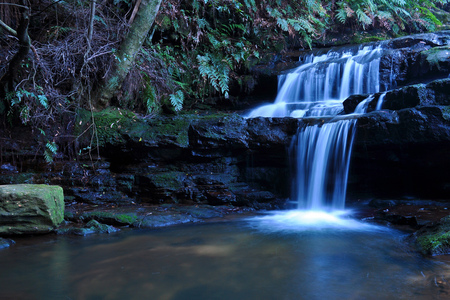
(30, 209)
(402, 150)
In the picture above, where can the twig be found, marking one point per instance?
(7, 28)
(135, 10)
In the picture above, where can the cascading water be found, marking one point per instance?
(315, 91)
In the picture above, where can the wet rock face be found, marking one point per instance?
(223, 159)
(30, 209)
(434, 239)
(401, 149)
(417, 58)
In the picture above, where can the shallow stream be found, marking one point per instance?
(271, 256)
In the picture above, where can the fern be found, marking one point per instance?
(215, 71)
(50, 151)
(283, 24)
(43, 100)
(363, 18)
(149, 97)
(177, 99)
(202, 23)
(341, 15)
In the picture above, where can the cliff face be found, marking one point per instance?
(216, 159)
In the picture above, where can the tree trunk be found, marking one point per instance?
(127, 52)
(7, 82)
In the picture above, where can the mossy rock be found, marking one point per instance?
(30, 208)
(114, 126)
(434, 239)
(110, 218)
(438, 57)
(171, 181)
(105, 125)
(91, 227)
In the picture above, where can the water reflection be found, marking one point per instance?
(235, 260)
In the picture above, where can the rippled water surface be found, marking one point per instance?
(257, 258)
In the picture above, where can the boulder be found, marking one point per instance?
(91, 227)
(30, 208)
(434, 239)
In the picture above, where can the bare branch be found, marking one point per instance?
(7, 28)
(135, 10)
(13, 4)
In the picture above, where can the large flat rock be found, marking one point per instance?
(30, 208)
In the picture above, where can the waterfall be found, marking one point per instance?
(315, 91)
(380, 101)
(319, 86)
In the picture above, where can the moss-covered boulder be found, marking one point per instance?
(434, 239)
(30, 208)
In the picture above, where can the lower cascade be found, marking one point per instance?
(320, 151)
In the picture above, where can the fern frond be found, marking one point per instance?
(177, 99)
(202, 23)
(283, 24)
(341, 15)
(43, 100)
(50, 151)
(363, 18)
(215, 71)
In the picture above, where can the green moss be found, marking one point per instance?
(126, 219)
(435, 239)
(115, 127)
(436, 55)
(105, 125)
(368, 39)
(110, 217)
(30, 208)
(434, 244)
(168, 180)
(176, 127)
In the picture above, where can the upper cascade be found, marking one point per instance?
(319, 86)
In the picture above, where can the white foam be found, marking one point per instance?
(309, 220)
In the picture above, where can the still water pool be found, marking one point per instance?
(253, 258)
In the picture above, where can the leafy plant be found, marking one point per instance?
(177, 99)
(215, 71)
(50, 151)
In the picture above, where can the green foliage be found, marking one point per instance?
(149, 97)
(395, 15)
(177, 99)
(22, 101)
(216, 71)
(51, 149)
(196, 49)
(201, 48)
(205, 46)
